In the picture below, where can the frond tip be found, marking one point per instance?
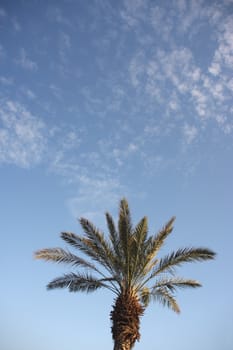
(173, 283)
(163, 296)
(181, 256)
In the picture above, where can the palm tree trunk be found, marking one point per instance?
(125, 318)
(120, 346)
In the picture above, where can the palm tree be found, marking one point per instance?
(126, 263)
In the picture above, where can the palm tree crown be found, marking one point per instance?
(127, 264)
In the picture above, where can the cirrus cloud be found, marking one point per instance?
(22, 140)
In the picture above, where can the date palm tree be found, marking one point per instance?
(127, 264)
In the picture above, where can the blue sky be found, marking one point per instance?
(100, 100)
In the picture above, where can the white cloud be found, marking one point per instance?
(200, 102)
(16, 25)
(65, 40)
(153, 163)
(25, 62)
(55, 14)
(151, 130)
(2, 12)
(6, 80)
(215, 68)
(95, 197)
(2, 51)
(136, 69)
(21, 135)
(223, 56)
(190, 133)
(161, 23)
(29, 93)
(133, 12)
(64, 47)
(57, 92)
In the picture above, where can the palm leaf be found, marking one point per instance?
(181, 256)
(173, 283)
(124, 225)
(139, 236)
(77, 283)
(124, 229)
(163, 296)
(60, 255)
(114, 236)
(99, 243)
(158, 240)
(84, 245)
(152, 246)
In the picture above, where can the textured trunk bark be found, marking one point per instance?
(125, 318)
(120, 346)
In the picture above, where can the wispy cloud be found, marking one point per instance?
(55, 14)
(25, 62)
(2, 52)
(2, 12)
(16, 24)
(132, 12)
(190, 133)
(6, 80)
(21, 135)
(94, 197)
(224, 53)
(95, 188)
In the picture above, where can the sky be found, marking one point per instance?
(101, 100)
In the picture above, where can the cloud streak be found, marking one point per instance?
(25, 62)
(22, 140)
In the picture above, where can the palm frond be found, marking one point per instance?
(158, 240)
(124, 229)
(124, 225)
(181, 256)
(93, 234)
(84, 245)
(60, 255)
(173, 283)
(117, 256)
(163, 296)
(114, 236)
(99, 243)
(151, 248)
(139, 236)
(77, 283)
(145, 296)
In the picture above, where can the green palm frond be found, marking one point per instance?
(93, 234)
(173, 283)
(116, 247)
(124, 229)
(77, 283)
(60, 255)
(114, 236)
(158, 240)
(163, 296)
(182, 255)
(84, 245)
(139, 236)
(152, 246)
(99, 243)
(124, 226)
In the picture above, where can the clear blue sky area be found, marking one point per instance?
(102, 99)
